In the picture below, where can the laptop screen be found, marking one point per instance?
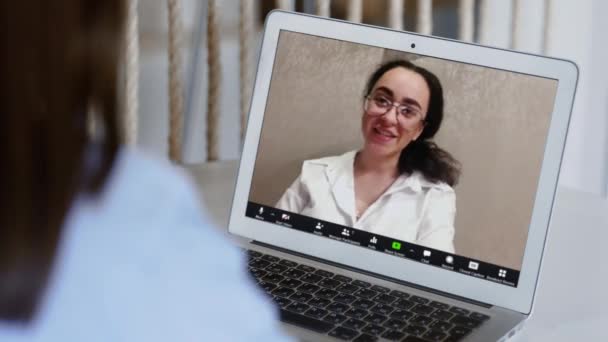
(426, 159)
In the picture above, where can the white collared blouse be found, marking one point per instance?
(412, 209)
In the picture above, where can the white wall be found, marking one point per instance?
(575, 33)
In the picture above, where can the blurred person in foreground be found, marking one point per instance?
(97, 242)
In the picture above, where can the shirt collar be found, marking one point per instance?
(341, 168)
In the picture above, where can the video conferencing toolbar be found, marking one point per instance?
(407, 250)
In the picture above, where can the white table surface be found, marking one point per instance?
(572, 297)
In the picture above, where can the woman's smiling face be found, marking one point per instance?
(388, 134)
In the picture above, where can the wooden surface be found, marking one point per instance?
(571, 300)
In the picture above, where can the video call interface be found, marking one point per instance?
(277, 195)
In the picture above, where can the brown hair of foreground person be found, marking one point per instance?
(58, 59)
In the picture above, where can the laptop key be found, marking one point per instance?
(459, 311)
(375, 318)
(382, 309)
(294, 273)
(361, 283)
(354, 324)
(402, 314)
(415, 330)
(465, 321)
(399, 294)
(338, 307)
(254, 254)
(342, 278)
(422, 309)
(258, 273)
(441, 326)
(308, 288)
(301, 297)
(343, 333)
(326, 293)
(334, 318)
(421, 320)
(270, 258)
(478, 316)
(273, 278)
(344, 298)
(373, 329)
(297, 307)
(283, 292)
(258, 263)
(316, 313)
(311, 278)
(305, 322)
(459, 331)
(366, 338)
(319, 302)
(442, 315)
(380, 289)
(393, 335)
(384, 298)
(403, 304)
(363, 304)
(329, 283)
(434, 335)
(291, 283)
(394, 324)
(438, 305)
(348, 288)
(268, 287)
(277, 268)
(419, 300)
(356, 313)
(288, 263)
(282, 301)
(306, 268)
(365, 293)
(324, 273)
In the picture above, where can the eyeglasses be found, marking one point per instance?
(378, 105)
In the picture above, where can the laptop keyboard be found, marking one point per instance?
(352, 309)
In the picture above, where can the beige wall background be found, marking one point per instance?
(495, 124)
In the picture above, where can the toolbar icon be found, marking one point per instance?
(396, 245)
(373, 240)
(426, 253)
(319, 226)
(473, 265)
(449, 259)
(502, 273)
(285, 217)
(261, 211)
(345, 232)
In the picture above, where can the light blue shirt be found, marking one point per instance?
(140, 263)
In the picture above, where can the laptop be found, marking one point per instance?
(446, 252)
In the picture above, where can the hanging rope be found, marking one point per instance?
(131, 49)
(245, 29)
(395, 14)
(287, 5)
(323, 8)
(424, 22)
(213, 61)
(355, 11)
(466, 20)
(176, 99)
(484, 22)
(547, 26)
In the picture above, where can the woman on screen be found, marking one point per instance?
(399, 184)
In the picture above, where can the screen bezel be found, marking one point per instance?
(565, 72)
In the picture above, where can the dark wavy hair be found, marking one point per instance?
(422, 154)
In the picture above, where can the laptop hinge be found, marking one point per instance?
(375, 275)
